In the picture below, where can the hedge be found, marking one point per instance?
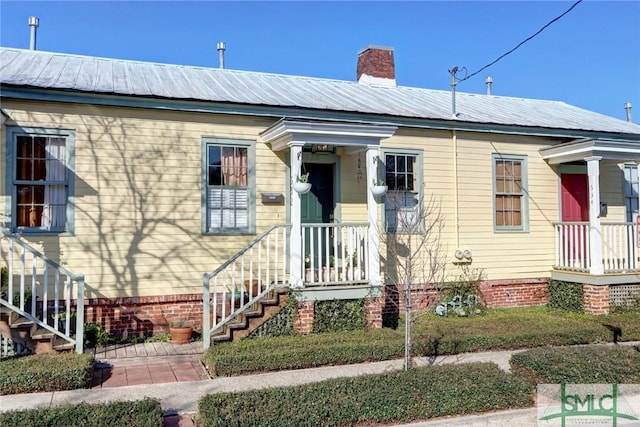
(140, 413)
(295, 352)
(45, 372)
(395, 397)
(579, 365)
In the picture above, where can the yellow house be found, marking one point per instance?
(134, 191)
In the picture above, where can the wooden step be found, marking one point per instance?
(42, 334)
(247, 322)
(62, 345)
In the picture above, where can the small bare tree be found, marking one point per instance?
(416, 261)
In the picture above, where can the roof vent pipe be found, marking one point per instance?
(454, 82)
(33, 23)
(221, 48)
(627, 106)
(488, 81)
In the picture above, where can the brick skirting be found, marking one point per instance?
(148, 315)
(514, 293)
(143, 316)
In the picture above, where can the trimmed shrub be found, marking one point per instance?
(45, 372)
(305, 351)
(496, 329)
(579, 365)
(566, 296)
(395, 397)
(339, 315)
(141, 413)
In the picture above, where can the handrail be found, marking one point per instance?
(39, 255)
(43, 286)
(252, 272)
(245, 249)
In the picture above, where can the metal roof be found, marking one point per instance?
(59, 71)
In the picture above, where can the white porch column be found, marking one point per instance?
(372, 210)
(595, 235)
(295, 261)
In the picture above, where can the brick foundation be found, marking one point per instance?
(303, 323)
(596, 299)
(143, 316)
(514, 293)
(422, 298)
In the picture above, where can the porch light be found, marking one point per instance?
(321, 148)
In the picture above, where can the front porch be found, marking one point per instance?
(325, 251)
(614, 252)
(589, 248)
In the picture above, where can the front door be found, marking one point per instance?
(575, 197)
(317, 208)
(575, 208)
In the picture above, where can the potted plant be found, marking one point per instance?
(378, 187)
(180, 327)
(302, 184)
(308, 272)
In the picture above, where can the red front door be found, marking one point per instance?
(575, 208)
(575, 197)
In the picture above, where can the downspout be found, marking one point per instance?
(454, 139)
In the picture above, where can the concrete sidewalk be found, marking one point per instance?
(181, 397)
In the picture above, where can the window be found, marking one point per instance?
(41, 179)
(509, 188)
(403, 176)
(631, 191)
(229, 185)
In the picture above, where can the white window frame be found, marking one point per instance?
(415, 195)
(12, 183)
(250, 227)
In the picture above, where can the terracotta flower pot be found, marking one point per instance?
(181, 335)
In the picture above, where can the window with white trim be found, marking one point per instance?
(229, 186)
(403, 177)
(509, 192)
(39, 174)
(631, 191)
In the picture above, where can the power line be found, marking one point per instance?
(521, 43)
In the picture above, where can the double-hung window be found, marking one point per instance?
(229, 183)
(403, 177)
(39, 174)
(509, 192)
(631, 191)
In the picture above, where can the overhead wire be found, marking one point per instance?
(467, 77)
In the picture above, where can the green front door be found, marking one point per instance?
(317, 207)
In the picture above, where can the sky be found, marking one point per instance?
(589, 58)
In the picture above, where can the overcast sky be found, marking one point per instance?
(589, 58)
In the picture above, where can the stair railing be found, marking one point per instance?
(246, 277)
(43, 290)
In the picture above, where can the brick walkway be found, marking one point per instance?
(148, 363)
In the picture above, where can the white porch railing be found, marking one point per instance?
(619, 247)
(245, 278)
(41, 290)
(335, 253)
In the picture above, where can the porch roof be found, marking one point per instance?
(351, 136)
(582, 148)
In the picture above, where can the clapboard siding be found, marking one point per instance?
(138, 195)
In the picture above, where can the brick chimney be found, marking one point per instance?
(376, 66)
